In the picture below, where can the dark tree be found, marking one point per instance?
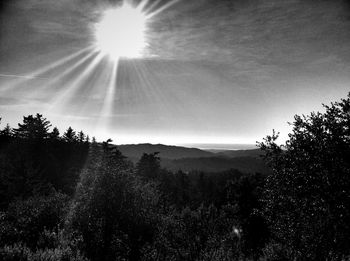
(55, 134)
(7, 131)
(70, 135)
(149, 165)
(245, 195)
(33, 127)
(34, 161)
(26, 220)
(307, 196)
(81, 136)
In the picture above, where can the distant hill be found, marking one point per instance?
(217, 164)
(165, 151)
(181, 158)
(240, 153)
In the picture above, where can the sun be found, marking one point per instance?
(121, 32)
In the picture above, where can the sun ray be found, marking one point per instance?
(60, 62)
(67, 93)
(141, 6)
(95, 92)
(41, 71)
(147, 89)
(138, 92)
(154, 90)
(89, 58)
(151, 7)
(54, 81)
(161, 9)
(108, 102)
(20, 76)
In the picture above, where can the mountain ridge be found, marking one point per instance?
(165, 151)
(186, 159)
(179, 152)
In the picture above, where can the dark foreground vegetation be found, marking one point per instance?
(63, 197)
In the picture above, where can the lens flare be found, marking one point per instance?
(121, 32)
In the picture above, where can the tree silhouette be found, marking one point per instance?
(70, 135)
(81, 136)
(6, 131)
(55, 134)
(33, 128)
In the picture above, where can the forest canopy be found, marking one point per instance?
(66, 197)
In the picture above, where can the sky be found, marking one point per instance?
(213, 71)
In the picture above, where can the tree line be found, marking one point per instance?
(65, 198)
(35, 160)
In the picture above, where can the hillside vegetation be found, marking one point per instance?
(67, 197)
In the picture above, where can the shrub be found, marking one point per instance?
(25, 220)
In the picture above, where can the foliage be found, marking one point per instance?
(196, 235)
(64, 198)
(26, 220)
(307, 196)
(113, 210)
(148, 166)
(55, 134)
(33, 127)
(70, 135)
(33, 160)
(19, 252)
(107, 209)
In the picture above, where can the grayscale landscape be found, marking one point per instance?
(174, 130)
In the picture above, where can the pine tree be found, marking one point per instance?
(33, 128)
(70, 135)
(7, 131)
(149, 165)
(55, 134)
(81, 136)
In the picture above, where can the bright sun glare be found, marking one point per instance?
(121, 32)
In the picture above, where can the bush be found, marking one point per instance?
(201, 234)
(25, 220)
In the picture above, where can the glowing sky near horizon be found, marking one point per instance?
(212, 71)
